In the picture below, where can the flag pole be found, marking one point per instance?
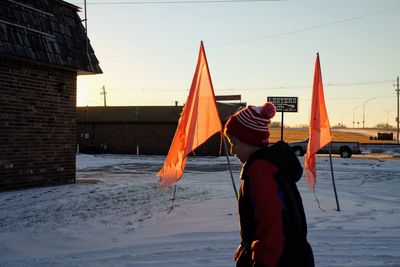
(282, 126)
(230, 168)
(187, 136)
(333, 178)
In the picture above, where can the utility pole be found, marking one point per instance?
(398, 118)
(104, 93)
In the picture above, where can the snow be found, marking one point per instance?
(116, 215)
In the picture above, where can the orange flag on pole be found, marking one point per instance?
(319, 130)
(199, 121)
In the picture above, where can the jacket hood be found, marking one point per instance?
(282, 156)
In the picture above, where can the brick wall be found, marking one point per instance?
(37, 124)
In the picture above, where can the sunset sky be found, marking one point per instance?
(148, 53)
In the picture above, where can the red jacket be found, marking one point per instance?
(272, 220)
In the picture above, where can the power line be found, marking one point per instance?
(359, 83)
(260, 37)
(176, 2)
(366, 83)
(220, 89)
(357, 97)
(307, 28)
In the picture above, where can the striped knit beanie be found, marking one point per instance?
(251, 125)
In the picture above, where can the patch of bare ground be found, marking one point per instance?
(343, 134)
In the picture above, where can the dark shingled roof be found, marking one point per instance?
(47, 31)
(144, 114)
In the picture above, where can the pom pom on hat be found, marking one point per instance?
(251, 125)
(268, 110)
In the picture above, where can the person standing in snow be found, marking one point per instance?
(273, 226)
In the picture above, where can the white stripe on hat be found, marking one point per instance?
(252, 119)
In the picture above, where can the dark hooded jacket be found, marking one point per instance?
(295, 251)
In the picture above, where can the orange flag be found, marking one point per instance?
(199, 121)
(319, 130)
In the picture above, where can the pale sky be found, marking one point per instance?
(148, 53)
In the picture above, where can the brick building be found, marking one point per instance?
(43, 47)
(143, 130)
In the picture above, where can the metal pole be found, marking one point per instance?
(363, 114)
(344, 114)
(333, 178)
(387, 119)
(104, 95)
(365, 102)
(387, 116)
(230, 168)
(87, 38)
(282, 126)
(398, 118)
(354, 110)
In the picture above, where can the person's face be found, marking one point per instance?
(239, 149)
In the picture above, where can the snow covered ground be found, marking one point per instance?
(115, 215)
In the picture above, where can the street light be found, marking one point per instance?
(387, 116)
(354, 110)
(343, 116)
(365, 102)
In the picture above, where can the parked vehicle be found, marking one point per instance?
(344, 149)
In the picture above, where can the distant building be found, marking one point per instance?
(43, 47)
(145, 130)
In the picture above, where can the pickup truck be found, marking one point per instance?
(344, 149)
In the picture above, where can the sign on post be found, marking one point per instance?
(284, 104)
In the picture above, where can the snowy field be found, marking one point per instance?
(115, 215)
